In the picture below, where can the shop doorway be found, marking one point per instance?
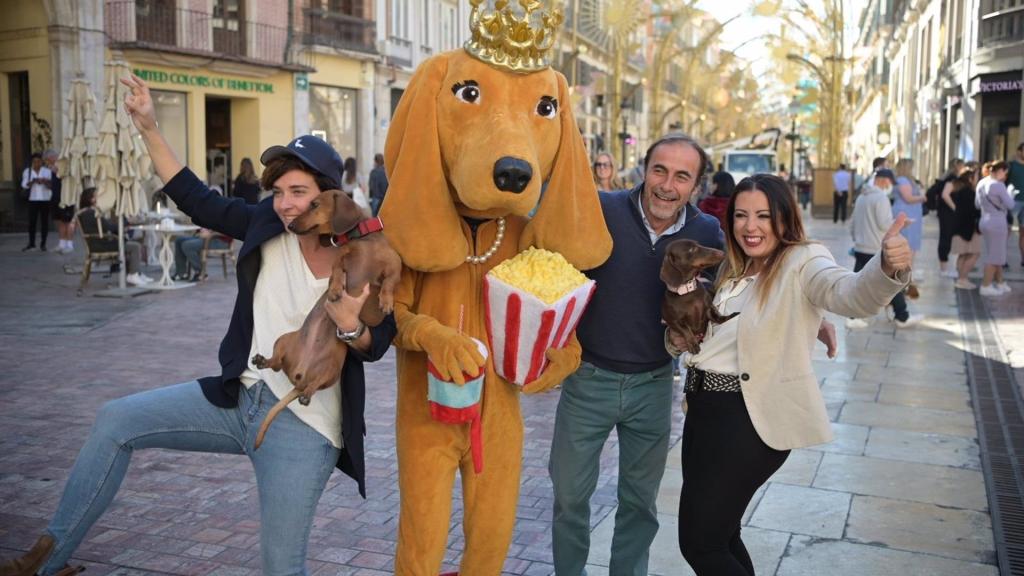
(21, 124)
(218, 143)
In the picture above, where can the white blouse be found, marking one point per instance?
(718, 352)
(286, 291)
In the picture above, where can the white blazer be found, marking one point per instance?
(774, 342)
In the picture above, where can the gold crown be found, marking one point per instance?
(501, 38)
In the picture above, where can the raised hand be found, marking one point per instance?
(896, 254)
(139, 104)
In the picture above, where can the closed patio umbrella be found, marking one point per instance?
(76, 162)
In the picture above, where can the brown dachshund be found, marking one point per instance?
(688, 307)
(313, 356)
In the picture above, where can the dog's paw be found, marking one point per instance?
(259, 361)
(387, 304)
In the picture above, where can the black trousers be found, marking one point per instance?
(724, 463)
(947, 224)
(839, 206)
(40, 210)
(898, 302)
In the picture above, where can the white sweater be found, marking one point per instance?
(872, 217)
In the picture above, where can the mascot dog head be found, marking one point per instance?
(470, 139)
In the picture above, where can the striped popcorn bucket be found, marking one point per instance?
(521, 327)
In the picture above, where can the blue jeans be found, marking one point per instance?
(292, 466)
(639, 408)
(187, 251)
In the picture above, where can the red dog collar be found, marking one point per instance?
(368, 226)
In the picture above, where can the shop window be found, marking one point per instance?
(332, 111)
(172, 115)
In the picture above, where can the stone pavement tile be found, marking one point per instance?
(833, 369)
(846, 439)
(928, 483)
(802, 510)
(925, 397)
(752, 505)
(808, 556)
(916, 375)
(799, 468)
(765, 547)
(849, 390)
(909, 418)
(917, 527)
(942, 449)
(668, 492)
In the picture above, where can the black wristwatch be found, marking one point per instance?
(350, 337)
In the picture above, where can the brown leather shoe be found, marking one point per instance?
(31, 561)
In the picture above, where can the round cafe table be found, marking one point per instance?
(167, 252)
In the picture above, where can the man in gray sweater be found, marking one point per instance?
(872, 216)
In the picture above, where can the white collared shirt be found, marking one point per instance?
(680, 221)
(37, 192)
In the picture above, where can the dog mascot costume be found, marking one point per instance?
(475, 135)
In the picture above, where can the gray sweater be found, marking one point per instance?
(872, 217)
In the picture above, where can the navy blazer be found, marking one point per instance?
(254, 224)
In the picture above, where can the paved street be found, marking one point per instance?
(900, 490)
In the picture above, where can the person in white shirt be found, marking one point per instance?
(36, 181)
(841, 183)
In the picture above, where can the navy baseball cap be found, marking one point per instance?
(312, 151)
(886, 173)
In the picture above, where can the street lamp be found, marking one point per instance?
(794, 107)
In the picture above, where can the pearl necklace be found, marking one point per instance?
(494, 247)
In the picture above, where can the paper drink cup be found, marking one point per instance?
(454, 404)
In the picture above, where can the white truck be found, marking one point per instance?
(750, 155)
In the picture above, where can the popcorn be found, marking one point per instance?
(545, 274)
(534, 302)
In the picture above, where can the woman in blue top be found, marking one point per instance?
(909, 199)
(280, 277)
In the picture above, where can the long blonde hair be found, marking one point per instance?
(786, 225)
(904, 168)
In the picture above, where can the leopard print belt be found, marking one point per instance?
(702, 381)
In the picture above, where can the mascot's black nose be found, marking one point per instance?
(512, 174)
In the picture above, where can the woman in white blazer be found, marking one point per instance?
(751, 390)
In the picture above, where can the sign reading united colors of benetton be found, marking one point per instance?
(203, 81)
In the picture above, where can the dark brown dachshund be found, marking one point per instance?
(313, 355)
(688, 307)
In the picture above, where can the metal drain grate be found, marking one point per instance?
(999, 412)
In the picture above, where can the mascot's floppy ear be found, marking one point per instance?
(419, 216)
(570, 220)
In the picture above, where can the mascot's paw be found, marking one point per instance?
(561, 363)
(452, 353)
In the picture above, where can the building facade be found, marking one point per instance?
(943, 79)
(232, 77)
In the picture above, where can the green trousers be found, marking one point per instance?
(593, 403)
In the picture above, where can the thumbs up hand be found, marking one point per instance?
(896, 254)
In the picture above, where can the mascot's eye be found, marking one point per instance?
(547, 107)
(467, 91)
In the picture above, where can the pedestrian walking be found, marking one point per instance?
(247, 184)
(751, 391)
(946, 217)
(280, 277)
(994, 202)
(872, 218)
(1015, 180)
(606, 177)
(841, 185)
(625, 379)
(378, 183)
(722, 186)
(966, 243)
(36, 180)
(909, 199)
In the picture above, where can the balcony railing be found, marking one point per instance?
(1002, 22)
(159, 24)
(338, 30)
